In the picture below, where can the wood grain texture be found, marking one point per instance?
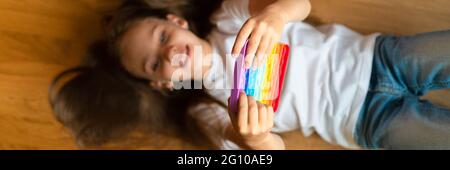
(39, 38)
(386, 16)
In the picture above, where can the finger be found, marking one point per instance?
(270, 48)
(270, 116)
(272, 44)
(168, 85)
(261, 52)
(156, 85)
(243, 110)
(231, 114)
(242, 37)
(253, 43)
(253, 114)
(153, 84)
(262, 116)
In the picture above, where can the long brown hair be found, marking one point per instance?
(102, 101)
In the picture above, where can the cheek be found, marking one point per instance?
(167, 71)
(130, 66)
(184, 36)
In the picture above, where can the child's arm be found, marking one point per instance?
(264, 28)
(251, 127)
(294, 10)
(271, 142)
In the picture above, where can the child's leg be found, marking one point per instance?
(416, 63)
(406, 123)
(418, 125)
(405, 68)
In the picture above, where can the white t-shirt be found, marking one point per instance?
(326, 82)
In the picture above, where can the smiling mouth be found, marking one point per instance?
(183, 59)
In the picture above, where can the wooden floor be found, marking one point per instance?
(39, 38)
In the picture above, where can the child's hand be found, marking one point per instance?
(263, 31)
(254, 120)
(160, 85)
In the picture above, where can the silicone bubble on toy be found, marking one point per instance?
(265, 83)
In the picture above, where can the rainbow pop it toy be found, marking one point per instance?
(264, 83)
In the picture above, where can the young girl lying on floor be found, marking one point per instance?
(353, 90)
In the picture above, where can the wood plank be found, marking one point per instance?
(40, 38)
(387, 16)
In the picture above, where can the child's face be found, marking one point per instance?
(154, 49)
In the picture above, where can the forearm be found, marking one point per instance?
(270, 142)
(292, 10)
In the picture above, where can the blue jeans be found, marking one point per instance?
(393, 115)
